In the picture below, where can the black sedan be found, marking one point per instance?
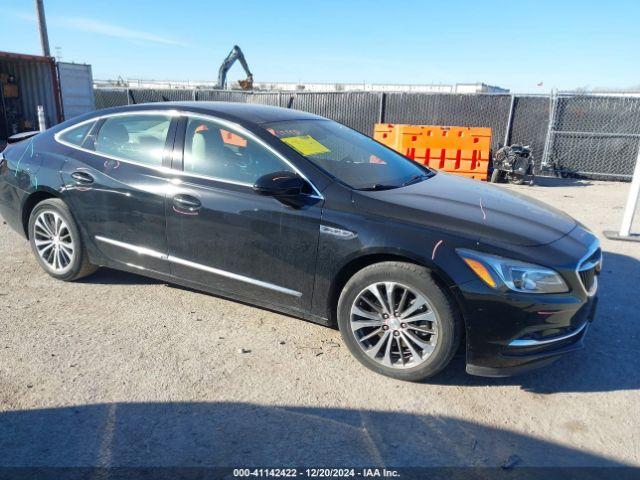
(299, 214)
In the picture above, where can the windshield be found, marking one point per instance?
(350, 157)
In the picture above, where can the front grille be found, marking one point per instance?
(587, 277)
(589, 269)
(594, 258)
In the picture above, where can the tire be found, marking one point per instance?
(73, 261)
(404, 364)
(515, 179)
(496, 176)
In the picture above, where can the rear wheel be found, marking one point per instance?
(396, 320)
(56, 241)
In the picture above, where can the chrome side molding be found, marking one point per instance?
(198, 266)
(133, 248)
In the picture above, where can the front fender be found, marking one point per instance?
(373, 240)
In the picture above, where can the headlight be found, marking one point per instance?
(516, 275)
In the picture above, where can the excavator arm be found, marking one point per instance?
(235, 54)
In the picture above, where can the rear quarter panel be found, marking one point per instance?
(30, 166)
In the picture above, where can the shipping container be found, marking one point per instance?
(64, 90)
(76, 89)
(30, 81)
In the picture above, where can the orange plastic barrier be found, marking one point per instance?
(232, 139)
(459, 150)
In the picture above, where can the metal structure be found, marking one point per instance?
(584, 136)
(235, 55)
(630, 209)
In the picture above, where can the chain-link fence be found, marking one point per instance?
(593, 136)
(358, 110)
(571, 135)
(110, 98)
(480, 110)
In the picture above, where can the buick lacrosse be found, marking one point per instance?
(297, 213)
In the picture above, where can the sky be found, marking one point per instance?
(513, 44)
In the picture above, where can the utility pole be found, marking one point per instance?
(42, 26)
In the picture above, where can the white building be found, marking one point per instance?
(310, 86)
(378, 87)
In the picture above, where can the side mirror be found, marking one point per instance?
(281, 184)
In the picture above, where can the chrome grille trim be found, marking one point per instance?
(588, 267)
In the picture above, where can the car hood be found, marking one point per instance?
(475, 209)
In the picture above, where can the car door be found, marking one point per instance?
(116, 184)
(223, 234)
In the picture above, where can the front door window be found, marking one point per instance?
(215, 152)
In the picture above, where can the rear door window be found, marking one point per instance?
(139, 138)
(76, 135)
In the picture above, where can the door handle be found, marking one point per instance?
(82, 177)
(187, 202)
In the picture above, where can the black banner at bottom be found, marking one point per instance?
(417, 473)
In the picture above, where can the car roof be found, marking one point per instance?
(239, 112)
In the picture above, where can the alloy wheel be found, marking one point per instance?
(53, 241)
(394, 324)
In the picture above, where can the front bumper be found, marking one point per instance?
(502, 358)
(509, 332)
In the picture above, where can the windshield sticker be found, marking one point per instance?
(306, 145)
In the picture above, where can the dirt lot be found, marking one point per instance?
(119, 370)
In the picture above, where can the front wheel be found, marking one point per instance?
(56, 242)
(397, 321)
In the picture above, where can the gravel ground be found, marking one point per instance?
(119, 370)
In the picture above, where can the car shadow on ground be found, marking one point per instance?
(249, 435)
(610, 359)
(108, 276)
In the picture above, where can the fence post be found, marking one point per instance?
(381, 112)
(507, 132)
(195, 95)
(128, 96)
(553, 101)
(630, 209)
